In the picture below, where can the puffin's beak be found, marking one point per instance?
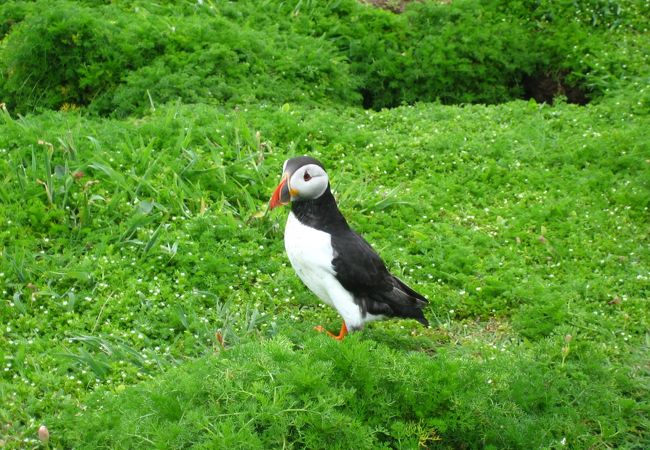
(281, 195)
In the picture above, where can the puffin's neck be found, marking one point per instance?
(320, 213)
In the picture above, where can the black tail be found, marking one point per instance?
(405, 302)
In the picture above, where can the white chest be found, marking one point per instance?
(310, 253)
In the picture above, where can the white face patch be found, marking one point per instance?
(308, 182)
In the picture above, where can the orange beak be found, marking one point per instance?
(281, 195)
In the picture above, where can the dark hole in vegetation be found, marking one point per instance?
(546, 85)
(367, 98)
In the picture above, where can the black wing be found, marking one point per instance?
(361, 271)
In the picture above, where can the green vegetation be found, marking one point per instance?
(140, 142)
(123, 57)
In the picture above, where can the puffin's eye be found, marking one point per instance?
(306, 177)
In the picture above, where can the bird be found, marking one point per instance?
(334, 261)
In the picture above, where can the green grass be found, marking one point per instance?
(127, 244)
(530, 217)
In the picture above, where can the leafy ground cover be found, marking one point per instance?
(129, 243)
(120, 58)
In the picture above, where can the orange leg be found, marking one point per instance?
(341, 335)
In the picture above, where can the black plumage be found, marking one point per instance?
(358, 267)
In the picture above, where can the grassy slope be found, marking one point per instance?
(522, 223)
(126, 244)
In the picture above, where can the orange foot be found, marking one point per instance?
(341, 335)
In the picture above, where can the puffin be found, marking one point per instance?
(334, 261)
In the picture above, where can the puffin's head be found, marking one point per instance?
(303, 178)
